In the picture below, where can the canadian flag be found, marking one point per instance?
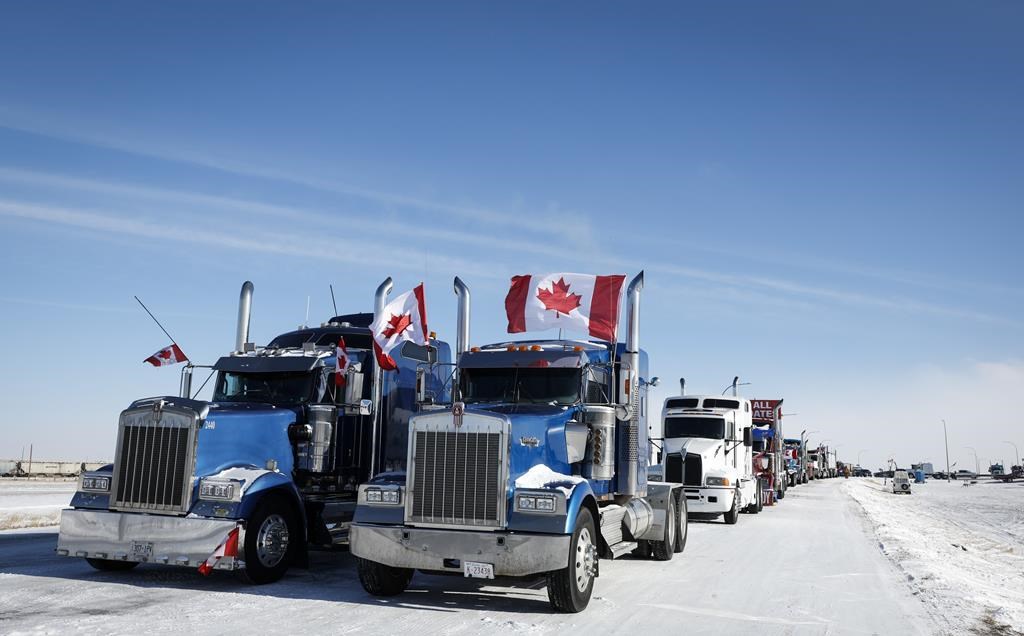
(227, 548)
(403, 319)
(168, 355)
(341, 363)
(577, 302)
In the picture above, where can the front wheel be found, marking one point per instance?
(382, 580)
(733, 515)
(108, 565)
(683, 516)
(272, 539)
(570, 589)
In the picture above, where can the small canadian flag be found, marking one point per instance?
(170, 354)
(341, 363)
(227, 548)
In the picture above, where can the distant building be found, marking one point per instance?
(925, 466)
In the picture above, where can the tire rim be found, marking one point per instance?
(272, 541)
(585, 560)
(671, 543)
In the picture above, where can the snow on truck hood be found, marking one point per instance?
(540, 476)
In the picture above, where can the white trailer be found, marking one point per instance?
(707, 446)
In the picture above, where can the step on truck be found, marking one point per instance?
(270, 464)
(538, 469)
(708, 443)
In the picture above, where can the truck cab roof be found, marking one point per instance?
(538, 353)
(705, 404)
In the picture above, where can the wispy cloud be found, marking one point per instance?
(168, 151)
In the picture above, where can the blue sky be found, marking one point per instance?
(826, 200)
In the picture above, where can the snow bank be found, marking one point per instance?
(541, 476)
(961, 549)
(32, 504)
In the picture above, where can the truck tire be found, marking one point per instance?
(782, 489)
(753, 508)
(382, 580)
(759, 506)
(570, 589)
(733, 515)
(109, 565)
(272, 539)
(683, 515)
(664, 550)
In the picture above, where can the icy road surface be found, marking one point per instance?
(811, 565)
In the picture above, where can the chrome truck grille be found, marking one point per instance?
(457, 474)
(155, 460)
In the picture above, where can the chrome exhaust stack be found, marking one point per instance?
(682, 386)
(380, 299)
(462, 331)
(629, 385)
(244, 313)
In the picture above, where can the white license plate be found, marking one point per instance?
(472, 569)
(142, 549)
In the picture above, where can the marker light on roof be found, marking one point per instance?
(535, 348)
(474, 349)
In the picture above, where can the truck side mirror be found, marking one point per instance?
(365, 407)
(748, 437)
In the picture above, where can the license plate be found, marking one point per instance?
(474, 570)
(142, 549)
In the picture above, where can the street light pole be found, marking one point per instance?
(977, 466)
(1015, 451)
(946, 437)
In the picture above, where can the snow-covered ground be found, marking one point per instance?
(32, 503)
(961, 549)
(808, 566)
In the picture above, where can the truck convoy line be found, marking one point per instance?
(514, 459)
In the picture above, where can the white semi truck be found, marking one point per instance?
(707, 447)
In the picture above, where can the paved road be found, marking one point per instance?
(808, 566)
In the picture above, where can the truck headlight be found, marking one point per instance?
(716, 481)
(220, 489)
(384, 496)
(94, 483)
(536, 503)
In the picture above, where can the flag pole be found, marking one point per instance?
(173, 341)
(333, 301)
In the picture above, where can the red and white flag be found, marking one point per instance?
(577, 302)
(404, 319)
(168, 355)
(341, 363)
(227, 548)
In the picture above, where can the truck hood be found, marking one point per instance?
(538, 435)
(244, 435)
(709, 449)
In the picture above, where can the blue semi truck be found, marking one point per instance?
(539, 468)
(275, 456)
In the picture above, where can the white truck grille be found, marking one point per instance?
(457, 475)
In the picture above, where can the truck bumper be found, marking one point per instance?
(709, 501)
(443, 550)
(143, 538)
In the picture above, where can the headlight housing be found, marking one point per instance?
(94, 483)
(716, 481)
(385, 496)
(542, 502)
(220, 490)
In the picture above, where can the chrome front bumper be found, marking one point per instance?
(698, 500)
(445, 550)
(128, 536)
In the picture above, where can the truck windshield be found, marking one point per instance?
(285, 388)
(525, 386)
(708, 427)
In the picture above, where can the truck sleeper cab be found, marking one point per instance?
(273, 460)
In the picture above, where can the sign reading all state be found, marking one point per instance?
(763, 410)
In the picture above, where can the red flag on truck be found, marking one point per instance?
(404, 319)
(171, 354)
(577, 302)
(227, 548)
(341, 363)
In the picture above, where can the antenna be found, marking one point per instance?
(306, 323)
(173, 341)
(332, 300)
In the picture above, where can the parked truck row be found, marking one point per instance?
(517, 458)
